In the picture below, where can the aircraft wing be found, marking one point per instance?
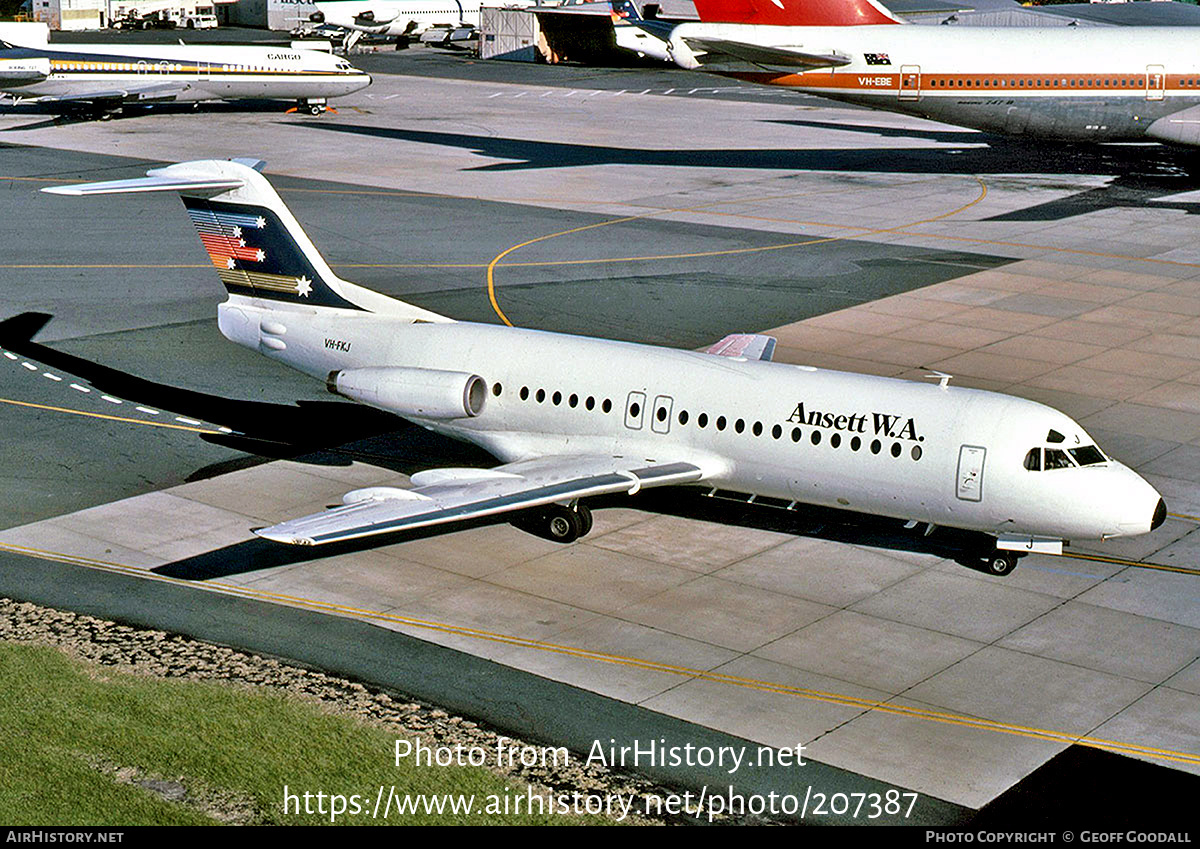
(749, 346)
(140, 93)
(440, 496)
(712, 50)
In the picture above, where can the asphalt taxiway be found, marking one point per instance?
(863, 241)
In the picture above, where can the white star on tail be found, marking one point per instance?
(303, 286)
(260, 222)
(261, 255)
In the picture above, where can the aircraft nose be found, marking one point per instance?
(1160, 514)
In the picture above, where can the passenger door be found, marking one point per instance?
(970, 472)
(660, 421)
(1156, 82)
(910, 82)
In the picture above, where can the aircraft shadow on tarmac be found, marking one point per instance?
(323, 432)
(1141, 174)
(964, 547)
(55, 115)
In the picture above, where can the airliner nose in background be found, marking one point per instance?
(102, 78)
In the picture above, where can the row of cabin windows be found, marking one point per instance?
(814, 436)
(721, 423)
(1038, 83)
(556, 398)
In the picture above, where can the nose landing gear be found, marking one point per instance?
(313, 106)
(1000, 562)
(556, 522)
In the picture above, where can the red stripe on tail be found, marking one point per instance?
(799, 13)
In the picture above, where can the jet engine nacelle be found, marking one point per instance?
(21, 71)
(413, 392)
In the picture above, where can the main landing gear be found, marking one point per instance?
(556, 522)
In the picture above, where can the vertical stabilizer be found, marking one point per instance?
(255, 244)
(800, 13)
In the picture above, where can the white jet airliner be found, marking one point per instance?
(1099, 84)
(107, 77)
(452, 20)
(572, 417)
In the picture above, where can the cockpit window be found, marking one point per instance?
(1033, 460)
(1088, 455)
(1056, 459)
(1054, 437)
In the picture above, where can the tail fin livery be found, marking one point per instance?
(806, 13)
(258, 248)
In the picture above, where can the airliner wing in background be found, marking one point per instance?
(441, 496)
(715, 50)
(748, 346)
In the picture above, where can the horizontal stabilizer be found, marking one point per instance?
(457, 495)
(713, 50)
(746, 346)
(147, 184)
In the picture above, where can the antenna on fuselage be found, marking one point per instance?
(943, 379)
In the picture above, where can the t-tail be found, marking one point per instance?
(796, 13)
(257, 247)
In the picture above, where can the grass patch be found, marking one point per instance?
(84, 745)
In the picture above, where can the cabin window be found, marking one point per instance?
(876, 445)
(606, 406)
(497, 389)
(757, 428)
(557, 398)
(702, 420)
(720, 422)
(590, 403)
(815, 437)
(916, 452)
(573, 401)
(896, 449)
(540, 396)
(835, 440)
(635, 410)
(1088, 455)
(855, 443)
(524, 393)
(1057, 459)
(683, 417)
(776, 432)
(795, 434)
(739, 425)
(1033, 460)
(661, 414)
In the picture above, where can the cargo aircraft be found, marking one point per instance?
(572, 417)
(103, 78)
(1098, 84)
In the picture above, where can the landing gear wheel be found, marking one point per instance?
(585, 520)
(562, 524)
(1000, 563)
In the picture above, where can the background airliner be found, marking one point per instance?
(105, 77)
(572, 417)
(457, 19)
(1066, 83)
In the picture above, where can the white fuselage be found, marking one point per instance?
(1085, 83)
(184, 72)
(945, 455)
(399, 17)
